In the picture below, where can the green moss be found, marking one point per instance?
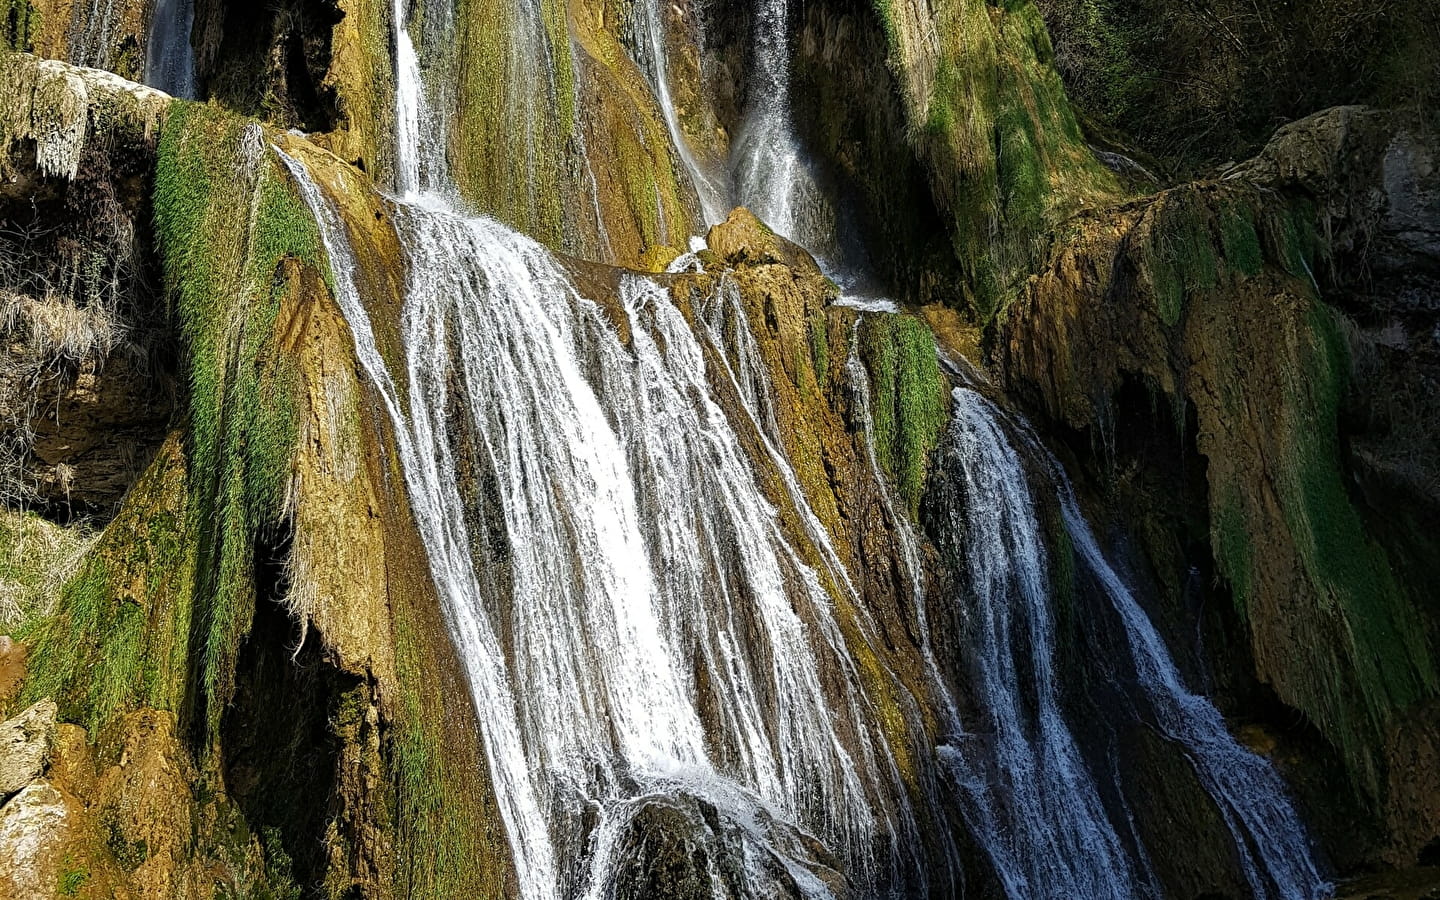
(1361, 653)
(1181, 258)
(908, 399)
(20, 22)
(279, 881)
(1292, 240)
(157, 612)
(71, 881)
(118, 639)
(1233, 545)
(517, 119)
(1390, 652)
(1240, 240)
(819, 330)
(227, 218)
(885, 10)
(129, 854)
(1005, 151)
(445, 848)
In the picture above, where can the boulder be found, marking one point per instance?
(26, 742)
(36, 828)
(1375, 178)
(742, 239)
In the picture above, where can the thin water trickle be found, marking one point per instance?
(419, 131)
(653, 59)
(1270, 839)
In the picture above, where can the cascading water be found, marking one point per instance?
(1269, 837)
(419, 131)
(773, 174)
(652, 58)
(1030, 798)
(1027, 793)
(642, 634)
(634, 565)
(614, 593)
(169, 57)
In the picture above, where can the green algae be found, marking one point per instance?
(1348, 571)
(20, 21)
(908, 399)
(1240, 242)
(1005, 153)
(1181, 258)
(167, 596)
(226, 220)
(818, 330)
(516, 115)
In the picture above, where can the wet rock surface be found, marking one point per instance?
(742, 239)
(684, 848)
(329, 636)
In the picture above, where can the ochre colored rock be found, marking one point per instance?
(144, 805)
(742, 239)
(12, 670)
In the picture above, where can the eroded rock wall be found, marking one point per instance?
(1219, 312)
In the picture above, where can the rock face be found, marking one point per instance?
(256, 685)
(1198, 85)
(680, 848)
(58, 108)
(1203, 300)
(743, 240)
(26, 742)
(12, 669)
(84, 389)
(947, 116)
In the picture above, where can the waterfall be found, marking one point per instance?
(419, 131)
(602, 547)
(169, 56)
(1032, 802)
(1027, 793)
(653, 60)
(1269, 837)
(599, 489)
(90, 43)
(774, 176)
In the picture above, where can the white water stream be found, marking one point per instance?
(1033, 802)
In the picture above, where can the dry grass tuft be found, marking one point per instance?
(37, 557)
